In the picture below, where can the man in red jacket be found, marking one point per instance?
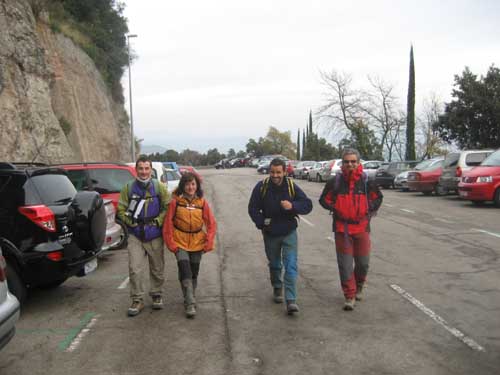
(353, 199)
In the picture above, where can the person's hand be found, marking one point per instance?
(286, 205)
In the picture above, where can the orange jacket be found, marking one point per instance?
(189, 225)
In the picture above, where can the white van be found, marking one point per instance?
(169, 177)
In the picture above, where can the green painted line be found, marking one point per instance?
(63, 345)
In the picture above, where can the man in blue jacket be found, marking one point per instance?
(274, 206)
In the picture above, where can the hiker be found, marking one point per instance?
(274, 206)
(352, 198)
(189, 232)
(142, 207)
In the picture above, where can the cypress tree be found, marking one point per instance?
(410, 112)
(298, 144)
(303, 145)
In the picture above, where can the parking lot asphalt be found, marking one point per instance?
(432, 301)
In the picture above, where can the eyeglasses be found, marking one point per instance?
(349, 161)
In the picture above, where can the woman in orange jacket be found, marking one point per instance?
(189, 231)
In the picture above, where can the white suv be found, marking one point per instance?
(455, 163)
(9, 306)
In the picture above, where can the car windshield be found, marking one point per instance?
(492, 161)
(107, 181)
(429, 164)
(451, 160)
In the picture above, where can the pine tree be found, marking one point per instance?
(304, 150)
(298, 144)
(410, 112)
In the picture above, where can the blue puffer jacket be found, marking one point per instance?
(282, 221)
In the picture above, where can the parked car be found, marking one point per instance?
(314, 172)
(265, 162)
(173, 177)
(114, 233)
(330, 168)
(107, 179)
(386, 173)
(9, 306)
(456, 163)
(48, 231)
(171, 165)
(401, 181)
(302, 169)
(482, 183)
(371, 167)
(424, 177)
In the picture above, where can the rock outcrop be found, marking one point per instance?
(54, 105)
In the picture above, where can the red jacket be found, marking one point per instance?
(353, 199)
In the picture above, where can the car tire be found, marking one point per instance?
(90, 217)
(440, 190)
(123, 236)
(497, 198)
(478, 203)
(16, 284)
(427, 193)
(318, 178)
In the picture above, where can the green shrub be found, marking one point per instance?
(65, 125)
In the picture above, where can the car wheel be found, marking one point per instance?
(477, 203)
(16, 284)
(318, 178)
(440, 190)
(427, 193)
(123, 237)
(497, 198)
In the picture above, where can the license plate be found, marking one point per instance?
(90, 266)
(463, 193)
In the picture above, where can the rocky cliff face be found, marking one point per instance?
(54, 105)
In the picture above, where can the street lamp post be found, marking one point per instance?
(132, 141)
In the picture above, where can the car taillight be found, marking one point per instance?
(55, 256)
(3, 266)
(458, 172)
(41, 215)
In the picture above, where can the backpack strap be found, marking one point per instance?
(264, 187)
(291, 188)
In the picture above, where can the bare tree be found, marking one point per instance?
(381, 107)
(429, 143)
(342, 109)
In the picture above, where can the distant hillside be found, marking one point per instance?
(151, 149)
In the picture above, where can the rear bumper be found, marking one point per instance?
(422, 186)
(385, 181)
(449, 183)
(113, 236)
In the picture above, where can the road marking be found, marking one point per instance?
(444, 220)
(455, 332)
(406, 210)
(330, 239)
(124, 284)
(485, 231)
(306, 221)
(76, 335)
(388, 205)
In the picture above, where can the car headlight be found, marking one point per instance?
(485, 179)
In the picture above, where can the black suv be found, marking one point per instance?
(48, 231)
(386, 173)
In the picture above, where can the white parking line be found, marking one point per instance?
(388, 205)
(124, 284)
(485, 231)
(444, 220)
(455, 332)
(306, 221)
(406, 210)
(78, 339)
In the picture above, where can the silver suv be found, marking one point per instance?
(455, 163)
(9, 306)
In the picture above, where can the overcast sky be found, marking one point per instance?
(216, 73)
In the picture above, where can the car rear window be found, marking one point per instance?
(112, 180)
(52, 189)
(475, 158)
(451, 160)
(173, 175)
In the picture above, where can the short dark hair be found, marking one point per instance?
(351, 151)
(185, 178)
(143, 159)
(276, 162)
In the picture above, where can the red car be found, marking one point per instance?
(187, 168)
(426, 178)
(482, 183)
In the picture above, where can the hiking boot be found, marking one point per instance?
(157, 302)
(135, 308)
(291, 307)
(278, 295)
(349, 304)
(190, 311)
(359, 292)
